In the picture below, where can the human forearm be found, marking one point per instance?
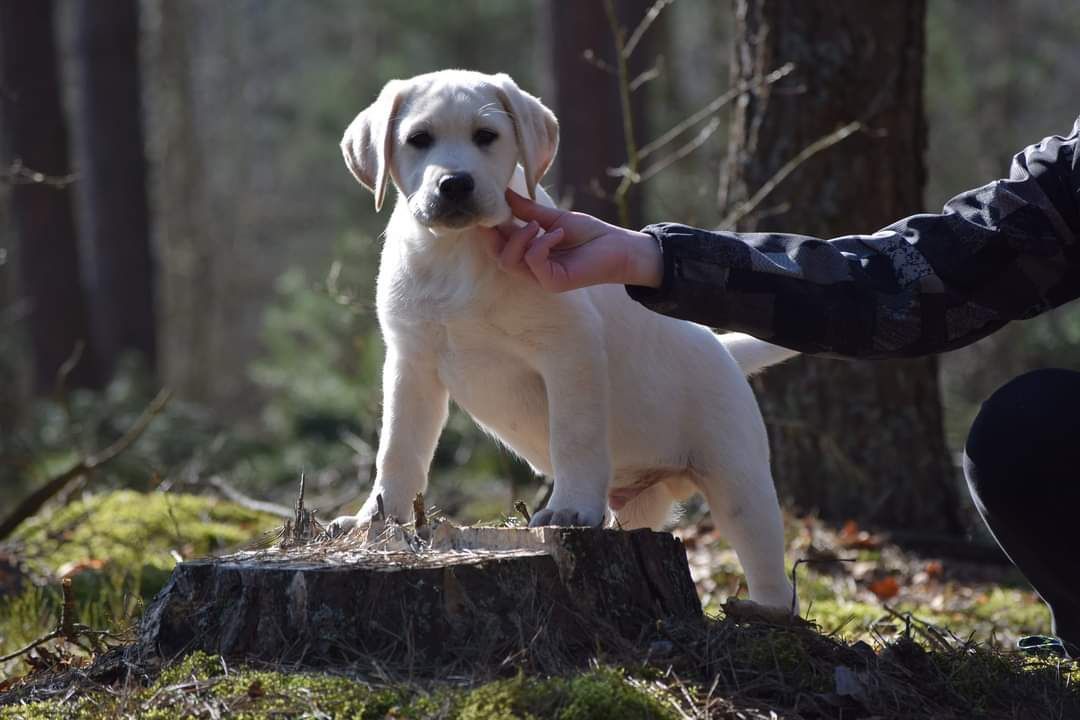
(925, 284)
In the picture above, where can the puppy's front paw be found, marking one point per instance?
(567, 517)
(400, 511)
(343, 524)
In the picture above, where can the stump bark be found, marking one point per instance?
(475, 595)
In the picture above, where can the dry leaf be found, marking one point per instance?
(885, 588)
(850, 530)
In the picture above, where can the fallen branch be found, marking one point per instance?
(66, 628)
(929, 631)
(84, 466)
(234, 495)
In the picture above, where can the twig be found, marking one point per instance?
(30, 505)
(629, 171)
(64, 371)
(419, 516)
(303, 527)
(745, 208)
(701, 138)
(644, 25)
(40, 641)
(650, 74)
(66, 628)
(713, 107)
(234, 495)
(621, 56)
(927, 630)
(593, 59)
(18, 174)
(522, 508)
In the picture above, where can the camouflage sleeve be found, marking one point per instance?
(925, 284)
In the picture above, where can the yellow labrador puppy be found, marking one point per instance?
(627, 410)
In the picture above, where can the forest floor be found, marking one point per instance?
(889, 634)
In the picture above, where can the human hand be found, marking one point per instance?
(574, 251)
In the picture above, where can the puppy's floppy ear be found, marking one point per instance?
(369, 140)
(535, 128)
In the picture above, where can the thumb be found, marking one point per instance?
(525, 209)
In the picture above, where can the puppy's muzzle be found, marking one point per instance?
(456, 204)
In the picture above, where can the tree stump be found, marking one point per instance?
(445, 594)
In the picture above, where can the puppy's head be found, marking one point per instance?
(450, 141)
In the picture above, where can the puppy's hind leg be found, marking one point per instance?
(744, 508)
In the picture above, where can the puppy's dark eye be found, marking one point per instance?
(420, 140)
(483, 138)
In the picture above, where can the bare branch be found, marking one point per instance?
(40, 641)
(665, 162)
(745, 208)
(650, 74)
(593, 59)
(84, 466)
(643, 26)
(18, 174)
(627, 116)
(714, 107)
(67, 628)
(234, 495)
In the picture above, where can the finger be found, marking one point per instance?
(514, 249)
(526, 209)
(550, 275)
(543, 244)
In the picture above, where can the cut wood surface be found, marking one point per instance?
(446, 593)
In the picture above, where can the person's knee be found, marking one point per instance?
(1021, 462)
(1029, 425)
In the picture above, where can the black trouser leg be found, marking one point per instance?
(1022, 463)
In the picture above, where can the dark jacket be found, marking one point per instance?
(928, 283)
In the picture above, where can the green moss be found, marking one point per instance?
(200, 686)
(779, 650)
(138, 532)
(121, 545)
(976, 677)
(606, 694)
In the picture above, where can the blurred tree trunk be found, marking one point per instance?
(114, 215)
(587, 101)
(35, 136)
(857, 440)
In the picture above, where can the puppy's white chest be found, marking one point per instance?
(486, 377)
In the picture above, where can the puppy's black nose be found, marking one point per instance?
(456, 186)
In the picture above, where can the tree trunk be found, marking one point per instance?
(850, 439)
(114, 213)
(36, 137)
(464, 595)
(587, 102)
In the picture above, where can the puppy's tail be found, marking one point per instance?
(752, 354)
